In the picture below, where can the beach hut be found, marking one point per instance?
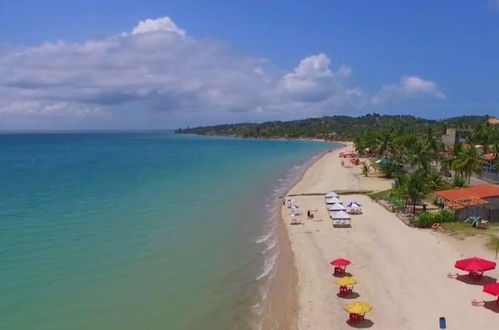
(333, 200)
(336, 207)
(331, 194)
(475, 266)
(340, 218)
(340, 215)
(354, 208)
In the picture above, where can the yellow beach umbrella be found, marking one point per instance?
(346, 281)
(358, 308)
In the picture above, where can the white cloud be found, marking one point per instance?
(164, 24)
(159, 76)
(313, 81)
(410, 87)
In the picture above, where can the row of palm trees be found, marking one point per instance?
(420, 163)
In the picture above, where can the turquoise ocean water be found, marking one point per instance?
(139, 230)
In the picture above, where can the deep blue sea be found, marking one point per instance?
(139, 230)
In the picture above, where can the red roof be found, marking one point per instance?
(480, 191)
(489, 156)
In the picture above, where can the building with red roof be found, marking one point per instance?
(481, 200)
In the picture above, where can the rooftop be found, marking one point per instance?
(494, 121)
(469, 196)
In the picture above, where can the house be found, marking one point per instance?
(455, 135)
(493, 121)
(481, 200)
(488, 164)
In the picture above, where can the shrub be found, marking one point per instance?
(459, 182)
(446, 216)
(426, 220)
(389, 168)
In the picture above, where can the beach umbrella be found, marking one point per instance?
(346, 281)
(340, 215)
(333, 200)
(475, 265)
(331, 194)
(336, 207)
(358, 307)
(340, 265)
(340, 262)
(354, 204)
(492, 289)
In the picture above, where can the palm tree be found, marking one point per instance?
(421, 156)
(433, 140)
(435, 180)
(414, 188)
(468, 162)
(384, 141)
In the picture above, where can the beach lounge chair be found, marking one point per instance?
(482, 224)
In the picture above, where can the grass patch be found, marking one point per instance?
(462, 230)
(493, 242)
(380, 194)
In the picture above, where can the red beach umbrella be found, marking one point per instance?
(492, 289)
(340, 262)
(475, 265)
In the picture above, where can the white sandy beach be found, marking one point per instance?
(402, 271)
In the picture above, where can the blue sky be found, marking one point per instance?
(228, 61)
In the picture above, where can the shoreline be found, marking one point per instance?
(276, 138)
(281, 310)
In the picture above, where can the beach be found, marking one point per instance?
(402, 271)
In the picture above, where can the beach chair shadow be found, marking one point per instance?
(475, 281)
(365, 323)
(342, 225)
(351, 295)
(342, 274)
(491, 305)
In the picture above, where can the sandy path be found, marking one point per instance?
(402, 271)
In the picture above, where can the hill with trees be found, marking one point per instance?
(334, 127)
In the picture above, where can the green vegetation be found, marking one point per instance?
(364, 128)
(420, 163)
(466, 162)
(412, 187)
(380, 194)
(426, 220)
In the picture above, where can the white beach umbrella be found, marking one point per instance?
(340, 215)
(331, 194)
(336, 207)
(333, 200)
